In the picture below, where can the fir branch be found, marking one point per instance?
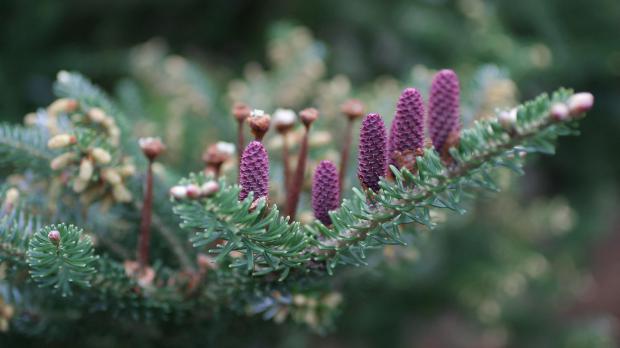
(24, 147)
(60, 256)
(370, 220)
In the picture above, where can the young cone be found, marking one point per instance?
(407, 130)
(443, 110)
(325, 191)
(254, 171)
(372, 159)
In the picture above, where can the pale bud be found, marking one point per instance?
(580, 102)
(12, 195)
(61, 140)
(62, 105)
(54, 236)
(209, 188)
(97, 115)
(86, 169)
(79, 185)
(226, 148)
(100, 155)
(30, 119)
(111, 175)
(284, 119)
(63, 160)
(178, 192)
(559, 112)
(121, 193)
(508, 119)
(127, 170)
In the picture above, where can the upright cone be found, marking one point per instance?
(254, 171)
(372, 157)
(443, 110)
(325, 191)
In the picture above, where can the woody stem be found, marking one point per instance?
(145, 224)
(298, 179)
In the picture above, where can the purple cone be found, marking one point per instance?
(254, 171)
(325, 191)
(443, 108)
(407, 131)
(372, 152)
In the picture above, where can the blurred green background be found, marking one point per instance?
(561, 218)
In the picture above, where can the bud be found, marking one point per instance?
(100, 155)
(151, 147)
(111, 175)
(353, 109)
(121, 193)
(259, 123)
(508, 119)
(308, 116)
(218, 153)
(372, 163)
(579, 103)
(127, 169)
(61, 140)
(54, 237)
(86, 169)
(193, 191)
(97, 115)
(559, 112)
(12, 195)
(209, 188)
(178, 192)
(284, 120)
(325, 191)
(407, 130)
(254, 171)
(63, 105)
(241, 112)
(79, 185)
(443, 108)
(30, 119)
(61, 161)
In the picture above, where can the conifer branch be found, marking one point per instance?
(370, 220)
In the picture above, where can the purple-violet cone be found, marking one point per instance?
(407, 130)
(325, 191)
(443, 108)
(254, 171)
(372, 157)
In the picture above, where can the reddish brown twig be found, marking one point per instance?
(151, 147)
(352, 109)
(307, 117)
(145, 223)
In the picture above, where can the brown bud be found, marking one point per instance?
(308, 116)
(352, 108)
(259, 123)
(453, 140)
(241, 111)
(218, 153)
(407, 159)
(151, 147)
